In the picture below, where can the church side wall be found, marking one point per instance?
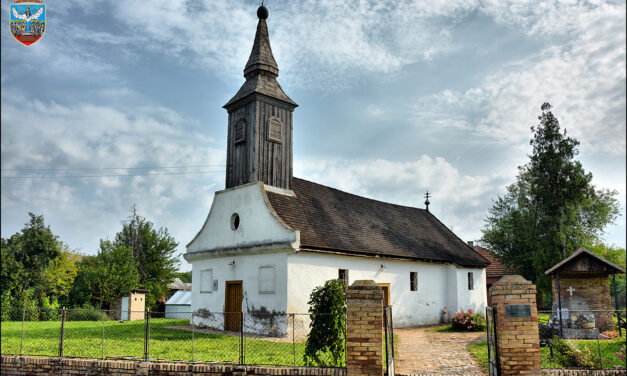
(208, 306)
(308, 270)
(475, 298)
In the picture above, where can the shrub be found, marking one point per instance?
(85, 315)
(327, 308)
(569, 355)
(468, 321)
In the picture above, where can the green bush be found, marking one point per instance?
(569, 355)
(327, 308)
(468, 321)
(85, 315)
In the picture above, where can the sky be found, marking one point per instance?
(396, 98)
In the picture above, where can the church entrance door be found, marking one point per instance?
(233, 306)
(386, 293)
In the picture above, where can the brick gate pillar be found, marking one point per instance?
(364, 329)
(518, 339)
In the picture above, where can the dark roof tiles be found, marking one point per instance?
(332, 220)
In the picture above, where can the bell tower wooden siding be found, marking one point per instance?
(257, 157)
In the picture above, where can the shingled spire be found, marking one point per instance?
(261, 58)
(259, 146)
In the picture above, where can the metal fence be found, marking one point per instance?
(581, 338)
(238, 338)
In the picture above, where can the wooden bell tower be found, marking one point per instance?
(259, 140)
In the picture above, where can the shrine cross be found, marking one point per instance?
(570, 289)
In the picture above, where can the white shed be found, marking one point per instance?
(179, 306)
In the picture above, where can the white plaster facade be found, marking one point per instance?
(263, 253)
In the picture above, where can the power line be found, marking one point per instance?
(108, 175)
(106, 168)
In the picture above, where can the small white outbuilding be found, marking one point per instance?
(179, 306)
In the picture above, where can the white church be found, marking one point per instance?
(271, 238)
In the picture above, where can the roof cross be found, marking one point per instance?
(427, 202)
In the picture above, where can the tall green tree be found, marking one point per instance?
(59, 276)
(113, 274)
(551, 210)
(154, 251)
(26, 255)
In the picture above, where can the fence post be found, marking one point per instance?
(103, 325)
(241, 338)
(22, 339)
(294, 337)
(62, 332)
(191, 322)
(147, 335)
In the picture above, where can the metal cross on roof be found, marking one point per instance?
(427, 202)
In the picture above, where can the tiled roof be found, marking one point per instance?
(495, 269)
(332, 220)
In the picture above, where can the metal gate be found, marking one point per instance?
(389, 340)
(493, 354)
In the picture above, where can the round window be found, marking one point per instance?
(234, 221)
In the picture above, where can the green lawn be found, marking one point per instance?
(608, 353)
(85, 339)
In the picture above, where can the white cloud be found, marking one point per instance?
(583, 79)
(93, 140)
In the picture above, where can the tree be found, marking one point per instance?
(154, 252)
(551, 210)
(327, 311)
(33, 248)
(59, 276)
(113, 275)
(618, 257)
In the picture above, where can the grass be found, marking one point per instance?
(608, 353)
(126, 340)
(480, 351)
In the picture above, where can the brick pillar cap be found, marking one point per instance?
(364, 284)
(512, 280)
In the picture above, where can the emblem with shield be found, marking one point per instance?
(28, 20)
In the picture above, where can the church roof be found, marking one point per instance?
(261, 69)
(330, 220)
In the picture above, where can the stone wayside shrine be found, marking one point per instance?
(582, 292)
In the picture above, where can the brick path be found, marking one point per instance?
(420, 352)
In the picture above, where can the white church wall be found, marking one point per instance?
(258, 225)
(475, 298)
(263, 301)
(307, 270)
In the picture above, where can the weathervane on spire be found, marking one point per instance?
(427, 202)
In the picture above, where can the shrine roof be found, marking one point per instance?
(584, 261)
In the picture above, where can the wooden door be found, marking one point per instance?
(386, 293)
(233, 306)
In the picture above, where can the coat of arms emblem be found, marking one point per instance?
(28, 20)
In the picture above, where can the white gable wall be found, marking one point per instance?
(439, 285)
(258, 224)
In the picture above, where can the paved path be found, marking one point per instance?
(435, 353)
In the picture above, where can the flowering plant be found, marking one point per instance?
(468, 321)
(621, 353)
